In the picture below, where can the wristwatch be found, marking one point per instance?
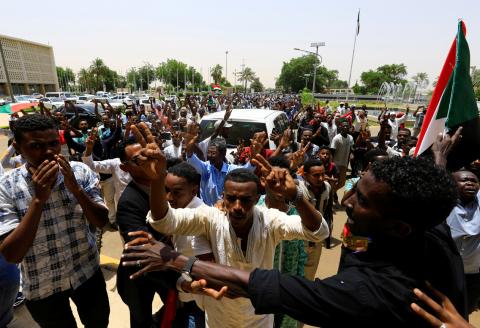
(187, 269)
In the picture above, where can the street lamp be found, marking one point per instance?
(315, 45)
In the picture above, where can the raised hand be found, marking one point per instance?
(444, 144)
(277, 180)
(286, 139)
(256, 146)
(297, 159)
(151, 159)
(228, 112)
(91, 139)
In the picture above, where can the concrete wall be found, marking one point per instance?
(30, 65)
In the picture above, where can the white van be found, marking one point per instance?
(245, 122)
(62, 95)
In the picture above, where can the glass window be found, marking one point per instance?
(239, 130)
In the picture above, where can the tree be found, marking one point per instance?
(65, 77)
(147, 75)
(173, 72)
(394, 73)
(216, 73)
(292, 75)
(256, 85)
(247, 75)
(98, 69)
(85, 79)
(476, 81)
(421, 79)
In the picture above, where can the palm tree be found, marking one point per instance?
(84, 78)
(216, 73)
(421, 79)
(98, 70)
(247, 75)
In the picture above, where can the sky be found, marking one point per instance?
(259, 34)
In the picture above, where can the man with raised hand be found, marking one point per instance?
(241, 235)
(374, 288)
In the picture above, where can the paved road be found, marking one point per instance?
(112, 249)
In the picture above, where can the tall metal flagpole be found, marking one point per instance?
(357, 30)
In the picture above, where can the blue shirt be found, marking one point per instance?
(211, 184)
(464, 222)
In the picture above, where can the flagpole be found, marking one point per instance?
(353, 53)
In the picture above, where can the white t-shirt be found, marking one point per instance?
(332, 130)
(395, 124)
(342, 148)
(172, 151)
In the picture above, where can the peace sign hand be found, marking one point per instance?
(151, 159)
(277, 180)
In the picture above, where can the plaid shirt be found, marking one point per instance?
(63, 254)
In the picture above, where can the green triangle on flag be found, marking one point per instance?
(462, 105)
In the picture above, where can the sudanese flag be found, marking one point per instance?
(453, 105)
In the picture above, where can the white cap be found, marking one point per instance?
(218, 122)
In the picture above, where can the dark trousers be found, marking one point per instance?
(138, 295)
(90, 298)
(473, 291)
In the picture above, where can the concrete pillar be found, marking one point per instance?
(42, 89)
(26, 89)
(5, 89)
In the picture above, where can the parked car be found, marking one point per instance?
(123, 99)
(85, 112)
(245, 122)
(63, 95)
(52, 103)
(146, 102)
(25, 99)
(37, 95)
(82, 99)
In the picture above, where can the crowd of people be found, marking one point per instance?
(236, 242)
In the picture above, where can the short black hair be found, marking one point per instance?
(311, 163)
(120, 149)
(173, 161)
(325, 147)
(279, 161)
(242, 175)
(219, 143)
(30, 123)
(426, 190)
(369, 156)
(405, 129)
(186, 171)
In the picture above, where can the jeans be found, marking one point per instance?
(90, 298)
(9, 284)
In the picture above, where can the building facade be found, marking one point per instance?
(31, 67)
